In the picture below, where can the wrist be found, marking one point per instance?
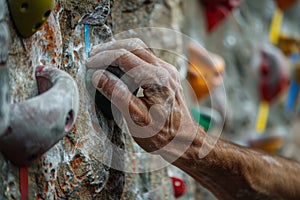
(184, 150)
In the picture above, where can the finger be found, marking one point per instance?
(105, 58)
(141, 121)
(134, 45)
(117, 92)
(138, 48)
(142, 72)
(128, 44)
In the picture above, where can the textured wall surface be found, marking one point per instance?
(77, 167)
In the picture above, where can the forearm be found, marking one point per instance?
(234, 172)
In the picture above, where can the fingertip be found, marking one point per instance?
(93, 52)
(99, 47)
(89, 62)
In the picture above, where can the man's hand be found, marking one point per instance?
(160, 122)
(160, 114)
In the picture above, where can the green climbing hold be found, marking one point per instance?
(203, 119)
(29, 15)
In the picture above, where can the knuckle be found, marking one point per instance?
(162, 71)
(121, 54)
(174, 73)
(138, 42)
(162, 75)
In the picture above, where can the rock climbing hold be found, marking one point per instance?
(35, 125)
(274, 74)
(179, 186)
(217, 10)
(29, 15)
(205, 70)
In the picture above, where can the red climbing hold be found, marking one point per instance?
(217, 10)
(179, 186)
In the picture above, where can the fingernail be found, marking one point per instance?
(99, 79)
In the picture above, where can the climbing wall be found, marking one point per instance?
(78, 166)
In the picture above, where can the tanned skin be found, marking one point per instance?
(160, 122)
